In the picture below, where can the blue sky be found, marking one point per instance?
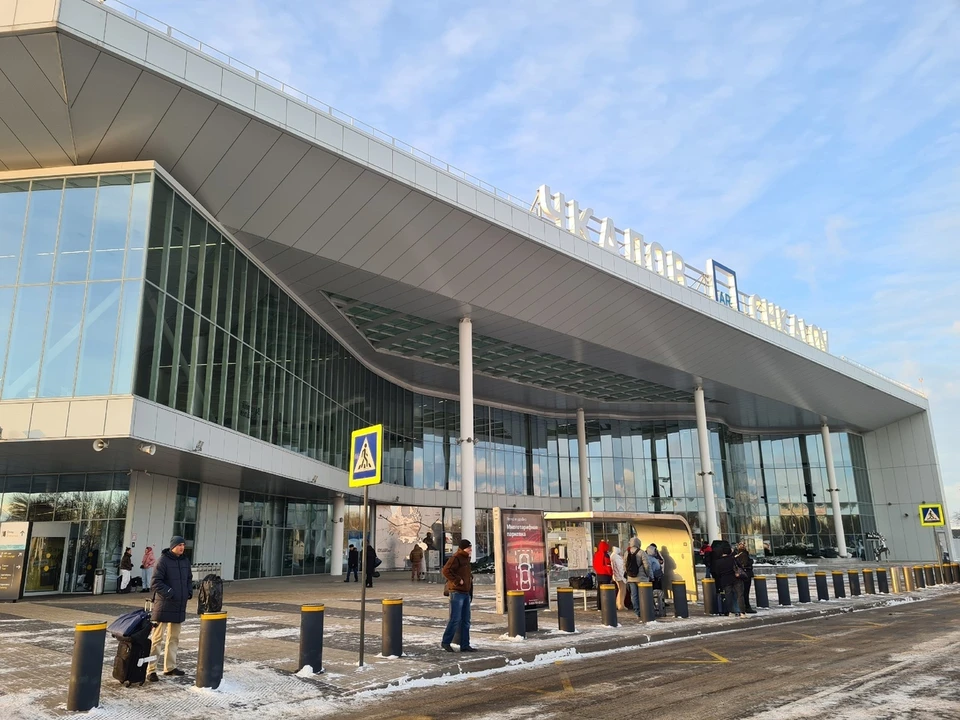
(813, 147)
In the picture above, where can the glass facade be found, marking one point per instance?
(185, 514)
(281, 536)
(92, 505)
(71, 263)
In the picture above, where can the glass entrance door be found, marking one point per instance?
(45, 564)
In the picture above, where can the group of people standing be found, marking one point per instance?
(146, 569)
(627, 572)
(732, 569)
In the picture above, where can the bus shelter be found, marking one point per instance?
(572, 538)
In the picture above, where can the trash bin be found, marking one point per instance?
(99, 578)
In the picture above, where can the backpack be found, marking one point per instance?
(210, 597)
(656, 571)
(631, 565)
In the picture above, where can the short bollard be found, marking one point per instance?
(803, 588)
(565, 614)
(854, 576)
(608, 604)
(392, 628)
(822, 592)
(646, 602)
(87, 666)
(783, 590)
(710, 596)
(680, 608)
(516, 617)
(883, 582)
(928, 575)
(838, 588)
(937, 575)
(311, 637)
(909, 578)
(213, 638)
(760, 591)
(869, 588)
(956, 572)
(919, 580)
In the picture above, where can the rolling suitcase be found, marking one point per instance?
(132, 632)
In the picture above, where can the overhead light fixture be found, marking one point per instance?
(199, 446)
(148, 448)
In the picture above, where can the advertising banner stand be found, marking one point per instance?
(14, 540)
(520, 557)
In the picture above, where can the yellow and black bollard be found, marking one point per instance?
(839, 591)
(680, 608)
(311, 637)
(928, 575)
(783, 590)
(647, 613)
(392, 628)
(854, 576)
(909, 578)
(608, 604)
(883, 581)
(87, 666)
(956, 572)
(937, 575)
(869, 588)
(919, 581)
(803, 588)
(760, 591)
(213, 639)
(516, 617)
(821, 579)
(710, 601)
(565, 614)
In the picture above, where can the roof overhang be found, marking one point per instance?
(331, 210)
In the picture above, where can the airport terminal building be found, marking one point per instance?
(209, 279)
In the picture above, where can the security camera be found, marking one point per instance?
(100, 445)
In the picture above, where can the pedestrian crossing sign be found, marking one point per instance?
(366, 451)
(931, 515)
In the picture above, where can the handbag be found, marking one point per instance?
(739, 572)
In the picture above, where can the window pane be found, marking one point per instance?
(211, 270)
(43, 219)
(127, 338)
(184, 361)
(76, 227)
(26, 341)
(110, 233)
(195, 256)
(13, 209)
(63, 338)
(99, 339)
(137, 237)
(175, 256)
(149, 342)
(165, 338)
(6, 313)
(161, 216)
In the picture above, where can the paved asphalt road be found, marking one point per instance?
(895, 662)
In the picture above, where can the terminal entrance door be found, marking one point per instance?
(46, 558)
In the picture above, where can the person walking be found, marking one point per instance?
(416, 561)
(602, 567)
(172, 587)
(616, 562)
(126, 568)
(456, 571)
(637, 570)
(353, 564)
(728, 575)
(146, 568)
(742, 556)
(369, 564)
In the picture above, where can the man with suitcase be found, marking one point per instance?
(172, 587)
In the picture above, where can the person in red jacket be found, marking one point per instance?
(602, 567)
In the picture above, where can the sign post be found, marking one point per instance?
(931, 515)
(366, 452)
(14, 539)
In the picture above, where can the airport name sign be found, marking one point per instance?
(631, 246)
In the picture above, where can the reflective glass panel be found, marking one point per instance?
(110, 234)
(63, 339)
(43, 220)
(76, 228)
(26, 342)
(99, 338)
(13, 208)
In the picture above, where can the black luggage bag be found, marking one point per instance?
(130, 664)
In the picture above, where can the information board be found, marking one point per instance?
(520, 554)
(14, 537)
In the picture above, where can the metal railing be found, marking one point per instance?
(870, 370)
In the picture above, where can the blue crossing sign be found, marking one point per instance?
(931, 515)
(366, 451)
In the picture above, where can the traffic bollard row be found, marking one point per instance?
(87, 666)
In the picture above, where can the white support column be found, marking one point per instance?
(468, 482)
(706, 467)
(586, 501)
(336, 550)
(834, 493)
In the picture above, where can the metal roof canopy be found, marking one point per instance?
(326, 212)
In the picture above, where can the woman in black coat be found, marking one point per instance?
(725, 573)
(742, 556)
(369, 564)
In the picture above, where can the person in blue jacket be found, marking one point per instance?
(172, 587)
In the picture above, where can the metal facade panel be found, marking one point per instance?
(316, 202)
(212, 142)
(237, 164)
(13, 154)
(511, 269)
(374, 241)
(265, 178)
(498, 256)
(351, 201)
(406, 235)
(367, 217)
(139, 116)
(178, 128)
(99, 101)
(426, 254)
(45, 51)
